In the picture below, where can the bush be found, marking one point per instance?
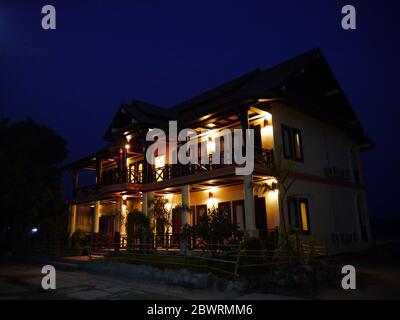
(138, 227)
(215, 228)
(79, 239)
(251, 244)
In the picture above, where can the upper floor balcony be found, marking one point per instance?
(122, 165)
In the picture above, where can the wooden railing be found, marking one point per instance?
(115, 176)
(170, 171)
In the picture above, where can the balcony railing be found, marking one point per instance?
(116, 176)
(171, 171)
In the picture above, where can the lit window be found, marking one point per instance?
(298, 154)
(298, 214)
(304, 215)
(292, 143)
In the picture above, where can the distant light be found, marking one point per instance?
(128, 138)
(127, 146)
(124, 197)
(211, 125)
(34, 230)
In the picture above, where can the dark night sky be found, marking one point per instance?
(107, 52)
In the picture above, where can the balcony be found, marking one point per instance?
(117, 176)
(171, 171)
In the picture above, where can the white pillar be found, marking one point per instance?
(72, 219)
(96, 217)
(185, 214)
(249, 211)
(149, 211)
(185, 204)
(122, 228)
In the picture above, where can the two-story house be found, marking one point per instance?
(297, 111)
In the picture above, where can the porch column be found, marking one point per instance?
(251, 230)
(185, 215)
(122, 221)
(149, 214)
(117, 215)
(145, 203)
(72, 219)
(96, 217)
(117, 223)
(185, 204)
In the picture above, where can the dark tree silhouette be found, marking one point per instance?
(30, 191)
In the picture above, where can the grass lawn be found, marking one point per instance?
(163, 261)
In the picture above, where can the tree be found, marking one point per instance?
(214, 228)
(30, 191)
(161, 214)
(138, 228)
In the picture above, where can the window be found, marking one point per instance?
(292, 143)
(287, 142)
(136, 172)
(226, 207)
(299, 216)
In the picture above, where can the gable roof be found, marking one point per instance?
(140, 114)
(305, 82)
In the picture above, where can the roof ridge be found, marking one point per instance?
(216, 91)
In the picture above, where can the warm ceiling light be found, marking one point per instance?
(124, 197)
(211, 192)
(268, 116)
(128, 138)
(127, 146)
(168, 196)
(211, 125)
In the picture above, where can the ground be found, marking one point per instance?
(378, 277)
(23, 281)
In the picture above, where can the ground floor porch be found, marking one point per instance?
(105, 220)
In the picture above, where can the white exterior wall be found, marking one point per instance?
(332, 208)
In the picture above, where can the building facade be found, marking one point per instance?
(298, 113)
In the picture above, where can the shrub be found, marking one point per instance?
(215, 228)
(138, 227)
(79, 239)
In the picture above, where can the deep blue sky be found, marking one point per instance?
(107, 52)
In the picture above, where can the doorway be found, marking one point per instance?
(260, 211)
